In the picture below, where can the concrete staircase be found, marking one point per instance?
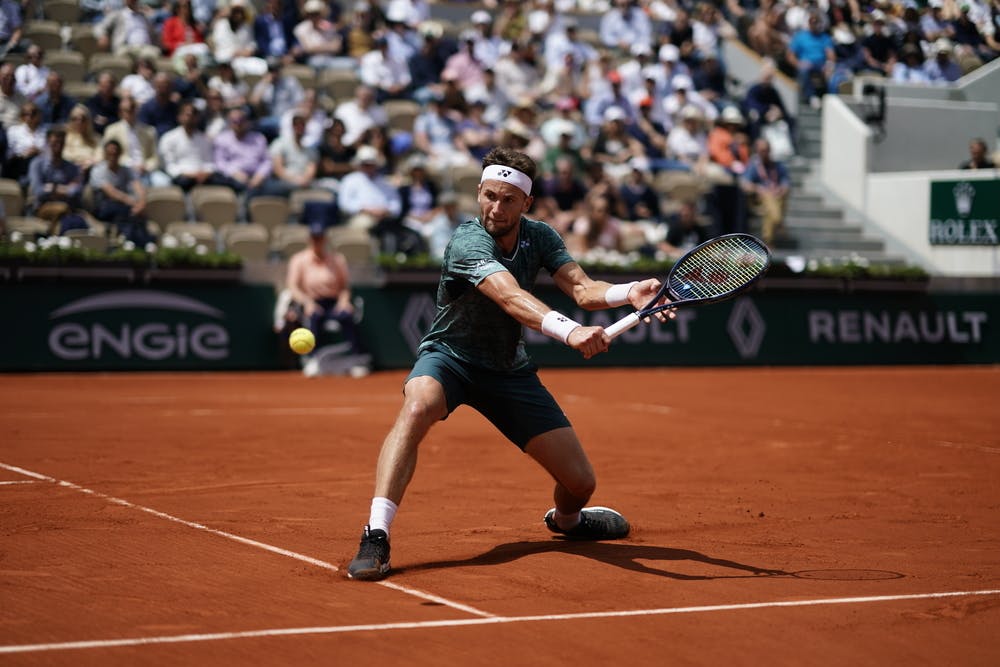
(817, 229)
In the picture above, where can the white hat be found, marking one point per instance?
(732, 115)
(640, 163)
(538, 21)
(878, 15)
(942, 45)
(691, 112)
(651, 72)
(640, 49)
(480, 17)
(614, 113)
(669, 53)
(367, 155)
(682, 81)
(398, 12)
(314, 6)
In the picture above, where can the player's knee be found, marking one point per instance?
(422, 410)
(582, 485)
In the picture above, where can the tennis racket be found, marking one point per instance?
(716, 270)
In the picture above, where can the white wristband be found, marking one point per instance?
(617, 295)
(558, 326)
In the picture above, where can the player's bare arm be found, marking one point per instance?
(592, 294)
(529, 310)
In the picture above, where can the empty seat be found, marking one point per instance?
(46, 34)
(339, 84)
(298, 199)
(83, 39)
(69, 64)
(28, 225)
(271, 212)
(401, 114)
(165, 204)
(12, 196)
(119, 65)
(250, 241)
(61, 11)
(287, 240)
(215, 204)
(85, 238)
(199, 232)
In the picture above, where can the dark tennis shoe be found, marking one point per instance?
(372, 561)
(596, 523)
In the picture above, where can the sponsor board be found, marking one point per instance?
(965, 213)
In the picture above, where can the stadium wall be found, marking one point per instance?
(88, 327)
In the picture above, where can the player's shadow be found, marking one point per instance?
(620, 554)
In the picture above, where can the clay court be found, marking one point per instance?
(783, 516)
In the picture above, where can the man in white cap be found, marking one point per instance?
(625, 24)
(942, 69)
(365, 197)
(474, 354)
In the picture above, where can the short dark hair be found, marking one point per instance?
(511, 158)
(114, 142)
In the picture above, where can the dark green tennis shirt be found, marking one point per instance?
(469, 325)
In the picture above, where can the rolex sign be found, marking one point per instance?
(965, 213)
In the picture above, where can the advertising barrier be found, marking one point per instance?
(93, 327)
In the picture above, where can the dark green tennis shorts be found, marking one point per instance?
(515, 402)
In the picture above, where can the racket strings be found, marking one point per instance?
(719, 268)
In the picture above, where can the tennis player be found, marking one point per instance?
(474, 354)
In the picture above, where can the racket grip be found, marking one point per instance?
(622, 325)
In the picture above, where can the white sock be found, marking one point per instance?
(566, 521)
(383, 512)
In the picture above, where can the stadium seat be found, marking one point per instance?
(12, 196)
(119, 65)
(80, 90)
(679, 185)
(305, 74)
(357, 245)
(85, 238)
(287, 240)
(46, 34)
(299, 198)
(83, 39)
(28, 225)
(339, 84)
(200, 232)
(69, 64)
(401, 114)
(465, 178)
(215, 204)
(250, 241)
(61, 11)
(165, 204)
(272, 212)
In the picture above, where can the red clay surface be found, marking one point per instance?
(188, 508)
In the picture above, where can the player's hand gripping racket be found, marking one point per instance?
(716, 270)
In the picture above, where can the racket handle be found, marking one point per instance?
(622, 325)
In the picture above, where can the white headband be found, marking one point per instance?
(499, 172)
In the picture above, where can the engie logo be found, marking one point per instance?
(174, 330)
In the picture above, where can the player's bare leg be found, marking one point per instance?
(424, 404)
(559, 451)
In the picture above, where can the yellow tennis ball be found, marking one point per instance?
(302, 341)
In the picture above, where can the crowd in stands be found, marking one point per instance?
(644, 140)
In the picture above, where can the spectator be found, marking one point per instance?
(623, 25)
(127, 31)
(614, 96)
(762, 104)
(684, 230)
(497, 102)
(597, 228)
(317, 119)
(187, 152)
(567, 42)
(652, 134)
(933, 25)
(561, 197)
(234, 90)
(334, 157)
(565, 79)
(119, 196)
(233, 41)
(181, 34)
(387, 74)
(438, 231)
(160, 111)
(640, 200)
(10, 100)
(684, 95)
(191, 82)
(475, 133)
(727, 143)
(708, 29)
(709, 81)
(688, 141)
(273, 33)
(54, 185)
(319, 282)
(811, 53)
(83, 144)
(978, 158)
(139, 84)
(367, 198)
(427, 63)
(215, 119)
(463, 66)
(436, 136)
(910, 68)
(10, 27)
(240, 153)
(517, 73)
(614, 146)
(138, 143)
(418, 195)
(767, 182)
(512, 22)
(319, 39)
(30, 76)
(361, 32)
(765, 34)
(941, 69)
(25, 140)
(293, 161)
(488, 47)
(103, 105)
(879, 48)
(360, 114)
(276, 94)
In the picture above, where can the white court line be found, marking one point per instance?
(19, 481)
(244, 540)
(495, 620)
